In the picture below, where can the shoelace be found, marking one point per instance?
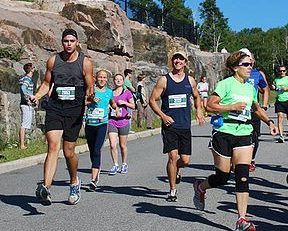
(74, 189)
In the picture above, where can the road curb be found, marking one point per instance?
(39, 159)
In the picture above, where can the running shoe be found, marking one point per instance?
(244, 224)
(252, 166)
(114, 170)
(199, 195)
(43, 194)
(92, 185)
(281, 140)
(124, 168)
(172, 198)
(75, 194)
(178, 178)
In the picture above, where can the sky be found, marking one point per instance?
(242, 14)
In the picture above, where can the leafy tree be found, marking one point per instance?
(178, 19)
(146, 11)
(214, 28)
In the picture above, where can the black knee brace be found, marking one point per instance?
(242, 177)
(218, 179)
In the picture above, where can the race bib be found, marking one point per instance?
(177, 101)
(113, 112)
(240, 115)
(66, 93)
(97, 113)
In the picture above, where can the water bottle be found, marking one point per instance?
(216, 121)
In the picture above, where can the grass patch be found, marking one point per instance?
(12, 152)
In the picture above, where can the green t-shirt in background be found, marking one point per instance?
(281, 82)
(231, 91)
(127, 84)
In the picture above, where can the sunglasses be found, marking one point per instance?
(178, 57)
(245, 64)
(282, 70)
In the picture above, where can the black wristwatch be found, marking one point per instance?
(270, 121)
(264, 108)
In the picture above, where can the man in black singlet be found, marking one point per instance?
(176, 90)
(71, 75)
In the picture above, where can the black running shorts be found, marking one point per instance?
(70, 125)
(281, 107)
(224, 144)
(179, 139)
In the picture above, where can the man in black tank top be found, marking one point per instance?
(175, 90)
(71, 74)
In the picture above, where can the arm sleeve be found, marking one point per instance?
(262, 82)
(24, 87)
(220, 89)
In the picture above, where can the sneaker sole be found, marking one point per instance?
(43, 200)
(197, 203)
(172, 199)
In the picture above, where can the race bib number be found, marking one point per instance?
(114, 114)
(240, 115)
(66, 93)
(177, 101)
(97, 113)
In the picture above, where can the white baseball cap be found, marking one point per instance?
(246, 51)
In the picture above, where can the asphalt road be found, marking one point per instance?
(136, 201)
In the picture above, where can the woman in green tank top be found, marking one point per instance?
(231, 142)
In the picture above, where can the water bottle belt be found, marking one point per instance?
(233, 121)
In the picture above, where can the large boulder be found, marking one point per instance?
(31, 32)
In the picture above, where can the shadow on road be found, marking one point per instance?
(176, 213)
(273, 167)
(266, 212)
(133, 191)
(23, 202)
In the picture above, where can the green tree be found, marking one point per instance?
(214, 28)
(178, 19)
(146, 11)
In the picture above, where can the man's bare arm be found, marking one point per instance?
(89, 80)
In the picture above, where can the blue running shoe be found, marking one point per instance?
(124, 168)
(114, 170)
(75, 194)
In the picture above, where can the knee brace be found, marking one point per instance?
(242, 177)
(218, 179)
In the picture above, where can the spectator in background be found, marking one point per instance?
(142, 104)
(128, 85)
(26, 90)
(203, 88)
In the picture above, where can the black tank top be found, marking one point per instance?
(176, 102)
(68, 95)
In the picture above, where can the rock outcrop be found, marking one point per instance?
(31, 32)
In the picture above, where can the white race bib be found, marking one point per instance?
(241, 115)
(66, 93)
(113, 112)
(177, 101)
(97, 113)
